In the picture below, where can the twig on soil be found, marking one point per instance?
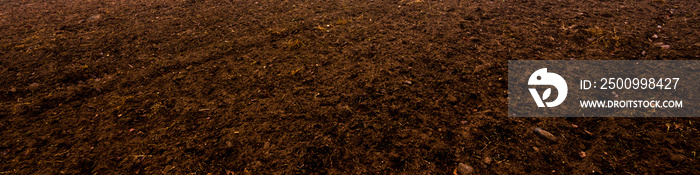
(487, 145)
(141, 156)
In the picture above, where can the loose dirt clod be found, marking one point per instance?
(544, 134)
(463, 169)
(488, 160)
(33, 87)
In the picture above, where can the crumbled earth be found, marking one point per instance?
(323, 87)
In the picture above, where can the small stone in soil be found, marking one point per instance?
(463, 169)
(544, 134)
(407, 82)
(665, 47)
(95, 17)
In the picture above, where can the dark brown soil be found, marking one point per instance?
(323, 87)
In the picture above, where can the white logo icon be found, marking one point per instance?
(542, 77)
